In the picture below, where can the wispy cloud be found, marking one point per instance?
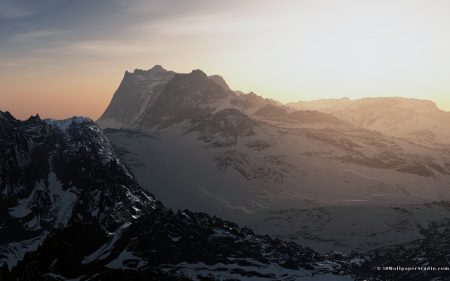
(10, 10)
(22, 61)
(210, 25)
(20, 9)
(102, 47)
(33, 35)
(11, 64)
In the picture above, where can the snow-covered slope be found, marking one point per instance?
(246, 158)
(230, 165)
(72, 211)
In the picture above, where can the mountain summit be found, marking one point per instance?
(145, 98)
(137, 92)
(186, 95)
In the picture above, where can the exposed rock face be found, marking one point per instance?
(137, 92)
(185, 96)
(157, 97)
(220, 81)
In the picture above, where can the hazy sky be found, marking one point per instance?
(61, 58)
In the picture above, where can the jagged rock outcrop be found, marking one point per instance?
(54, 173)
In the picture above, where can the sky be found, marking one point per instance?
(64, 58)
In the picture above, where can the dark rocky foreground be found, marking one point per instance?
(194, 246)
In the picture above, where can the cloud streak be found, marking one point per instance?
(11, 64)
(11, 11)
(27, 37)
(102, 47)
(22, 62)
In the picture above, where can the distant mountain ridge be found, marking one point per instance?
(420, 121)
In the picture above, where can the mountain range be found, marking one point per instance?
(321, 190)
(329, 173)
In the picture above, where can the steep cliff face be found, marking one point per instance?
(137, 92)
(185, 96)
(158, 97)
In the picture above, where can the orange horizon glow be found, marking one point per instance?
(62, 99)
(289, 51)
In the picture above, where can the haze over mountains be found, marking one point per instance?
(312, 172)
(417, 120)
(70, 210)
(393, 116)
(369, 175)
